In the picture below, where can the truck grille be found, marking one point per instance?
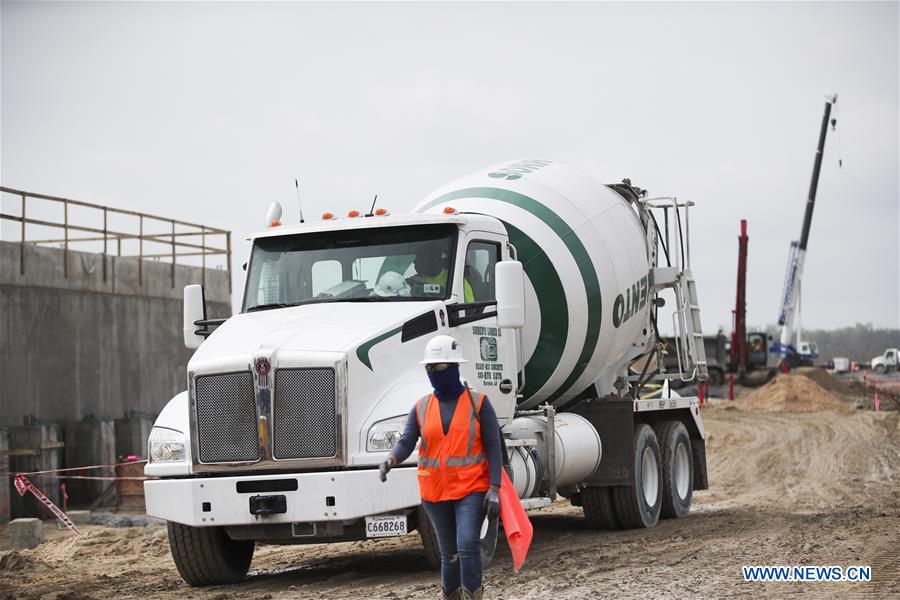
(304, 414)
(226, 418)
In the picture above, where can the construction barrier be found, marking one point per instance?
(124, 482)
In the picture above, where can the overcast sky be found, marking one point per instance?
(207, 112)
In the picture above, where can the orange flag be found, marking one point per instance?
(515, 521)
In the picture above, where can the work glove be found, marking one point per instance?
(384, 467)
(491, 503)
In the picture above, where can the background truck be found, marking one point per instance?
(840, 364)
(717, 358)
(886, 362)
(552, 283)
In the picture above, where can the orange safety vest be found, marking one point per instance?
(454, 465)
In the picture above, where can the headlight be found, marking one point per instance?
(166, 445)
(384, 434)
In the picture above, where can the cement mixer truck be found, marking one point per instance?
(554, 285)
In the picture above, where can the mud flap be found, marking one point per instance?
(613, 418)
(701, 475)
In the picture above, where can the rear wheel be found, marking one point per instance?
(678, 469)
(207, 556)
(716, 377)
(638, 505)
(599, 512)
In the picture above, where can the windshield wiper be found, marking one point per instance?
(270, 306)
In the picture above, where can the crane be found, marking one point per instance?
(801, 352)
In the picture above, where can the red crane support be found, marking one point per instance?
(739, 314)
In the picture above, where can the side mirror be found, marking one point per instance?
(510, 282)
(194, 310)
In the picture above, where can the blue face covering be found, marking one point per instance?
(446, 383)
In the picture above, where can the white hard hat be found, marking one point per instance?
(443, 349)
(391, 283)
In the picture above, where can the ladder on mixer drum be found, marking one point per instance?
(689, 333)
(689, 347)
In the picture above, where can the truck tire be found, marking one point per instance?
(880, 369)
(207, 556)
(677, 467)
(716, 377)
(638, 505)
(599, 511)
(429, 539)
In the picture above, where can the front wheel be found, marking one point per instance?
(207, 556)
(880, 369)
(487, 539)
(429, 539)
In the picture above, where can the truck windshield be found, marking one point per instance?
(385, 264)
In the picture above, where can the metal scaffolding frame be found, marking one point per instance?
(178, 247)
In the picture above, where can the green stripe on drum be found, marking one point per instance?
(579, 254)
(551, 304)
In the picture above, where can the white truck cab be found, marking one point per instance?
(273, 386)
(886, 362)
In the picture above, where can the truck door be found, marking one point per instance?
(492, 367)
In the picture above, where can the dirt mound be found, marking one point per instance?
(100, 544)
(826, 380)
(793, 393)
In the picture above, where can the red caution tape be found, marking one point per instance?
(89, 477)
(51, 474)
(128, 462)
(23, 486)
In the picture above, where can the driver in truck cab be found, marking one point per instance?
(432, 274)
(459, 465)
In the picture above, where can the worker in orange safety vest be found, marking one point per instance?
(459, 467)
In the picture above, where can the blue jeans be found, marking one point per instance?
(458, 527)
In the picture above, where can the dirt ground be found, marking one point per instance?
(787, 488)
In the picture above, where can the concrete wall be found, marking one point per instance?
(132, 435)
(5, 486)
(89, 442)
(78, 345)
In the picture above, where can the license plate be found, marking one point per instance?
(387, 526)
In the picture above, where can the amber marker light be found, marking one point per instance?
(449, 210)
(327, 216)
(353, 213)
